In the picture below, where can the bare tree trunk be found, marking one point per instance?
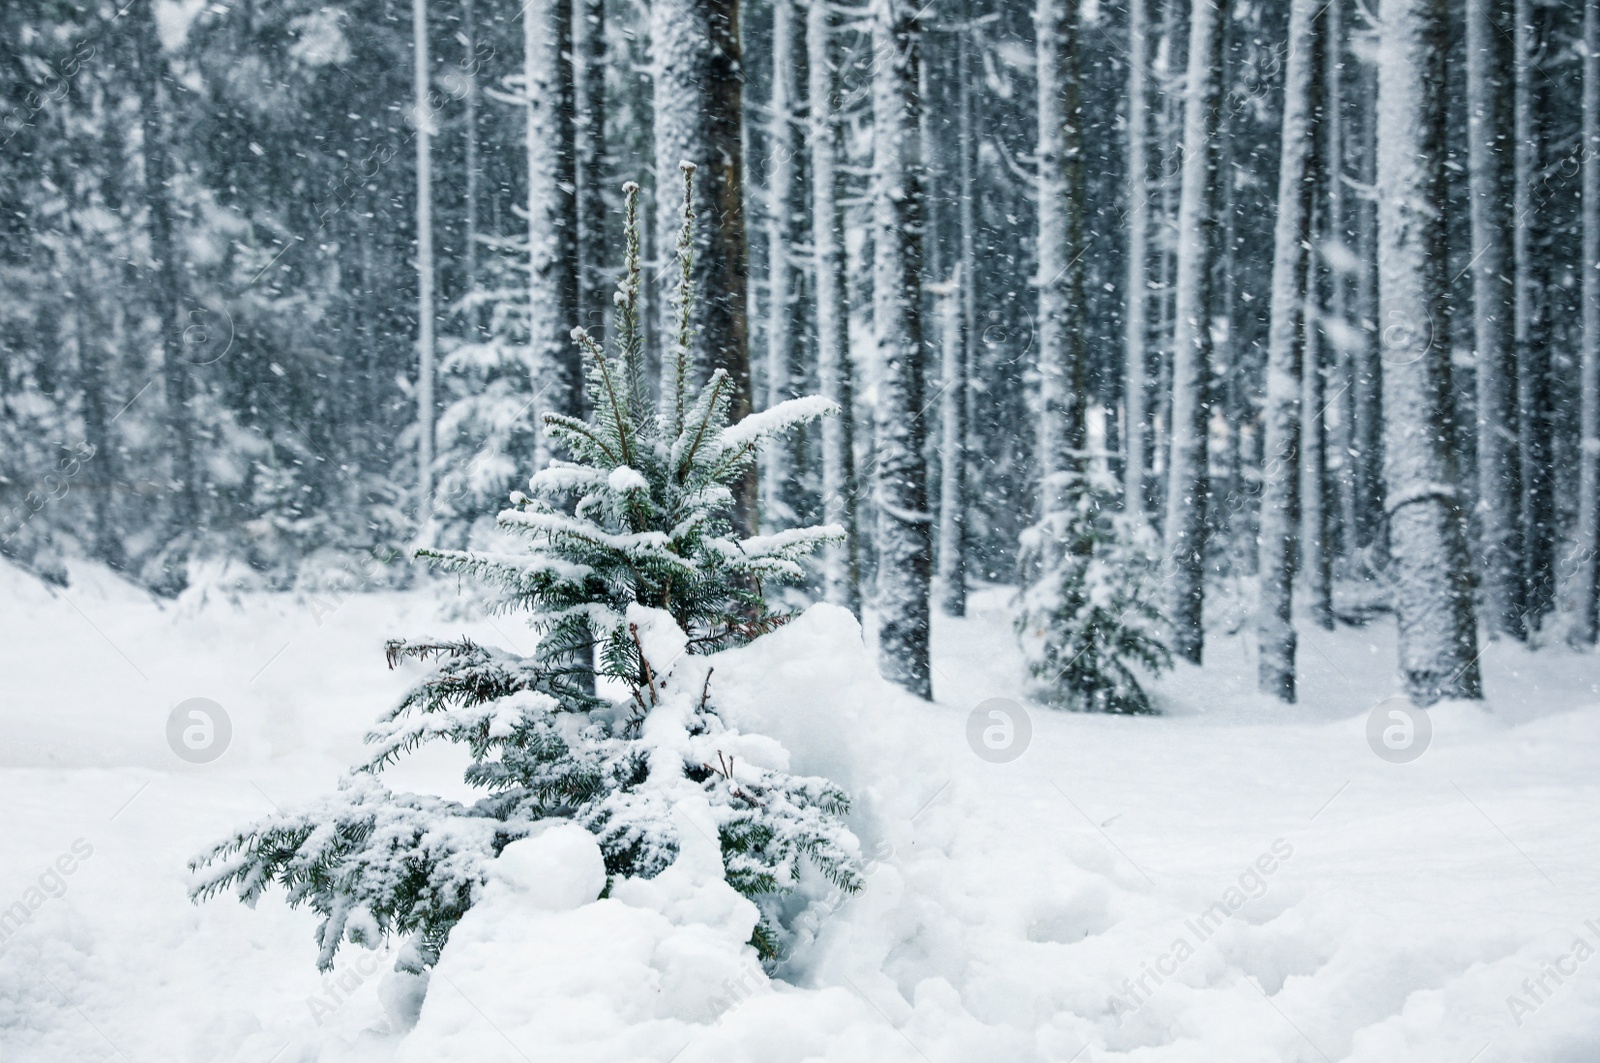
(699, 113)
(1058, 157)
(168, 281)
(469, 133)
(904, 540)
(1170, 157)
(552, 247)
(841, 563)
(952, 581)
(589, 140)
(1188, 485)
(1493, 317)
(93, 348)
(1315, 502)
(1136, 296)
(1532, 339)
(1587, 623)
(1429, 572)
(777, 503)
(425, 308)
(1337, 252)
(1371, 531)
(1286, 345)
(958, 397)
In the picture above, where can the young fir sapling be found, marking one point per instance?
(632, 573)
(1088, 612)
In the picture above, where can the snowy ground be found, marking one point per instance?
(1047, 908)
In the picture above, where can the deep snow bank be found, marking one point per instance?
(660, 969)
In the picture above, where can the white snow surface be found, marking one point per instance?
(1048, 909)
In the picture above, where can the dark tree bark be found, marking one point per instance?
(699, 114)
(589, 161)
(1587, 624)
(1494, 315)
(1286, 349)
(1430, 574)
(166, 275)
(1535, 421)
(1188, 484)
(905, 527)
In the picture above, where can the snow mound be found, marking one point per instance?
(556, 870)
(661, 969)
(569, 977)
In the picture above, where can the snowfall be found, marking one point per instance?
(1235, 880)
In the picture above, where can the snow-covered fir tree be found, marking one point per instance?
(1089, 619)
(631, 564)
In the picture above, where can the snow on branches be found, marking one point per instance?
(632, 574)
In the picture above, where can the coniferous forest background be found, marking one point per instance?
(1308, 292)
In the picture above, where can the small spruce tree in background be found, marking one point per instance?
(632, 569)
(1087, 613)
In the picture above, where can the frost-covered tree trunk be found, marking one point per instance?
(1187, 482)
(471, 166)
(1136, 288)
(1586, 624)
(1430, 577)
(589, 142)
(698, 110)
(904, 538)
(552, 285)
(1532, 335)
(841, 568)
(1370, 531)
(952, 581)
(423, 117)
(1060, 331)
(1315, 555)
(956, 399)
(175, 378)
(1338, 254)
(1169, 138)
(777, 508)
(1286, 346)
(1493, 317)
(94, 350)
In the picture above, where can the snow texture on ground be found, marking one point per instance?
(1233, 881)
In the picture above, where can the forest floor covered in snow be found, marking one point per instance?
(1235, 880)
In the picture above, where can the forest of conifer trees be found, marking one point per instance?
(1306, 294)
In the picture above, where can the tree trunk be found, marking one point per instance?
(552, 293)
(168, 280)
(952, 580)
(96, 355)
(1286, 345)
(777, 505)
(1136, 294)
(589, 141)
(1493, 318)
(1371, 531)
(1060, 330)
(423, 117)
(1315, 500)
(469, 133)
(958, 394)
(904, 540)
(1188, 483)
(699, 114)
(1532, 335)
(1338, 239)
(841, 567)
(1587, 623)
(1429, 574)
